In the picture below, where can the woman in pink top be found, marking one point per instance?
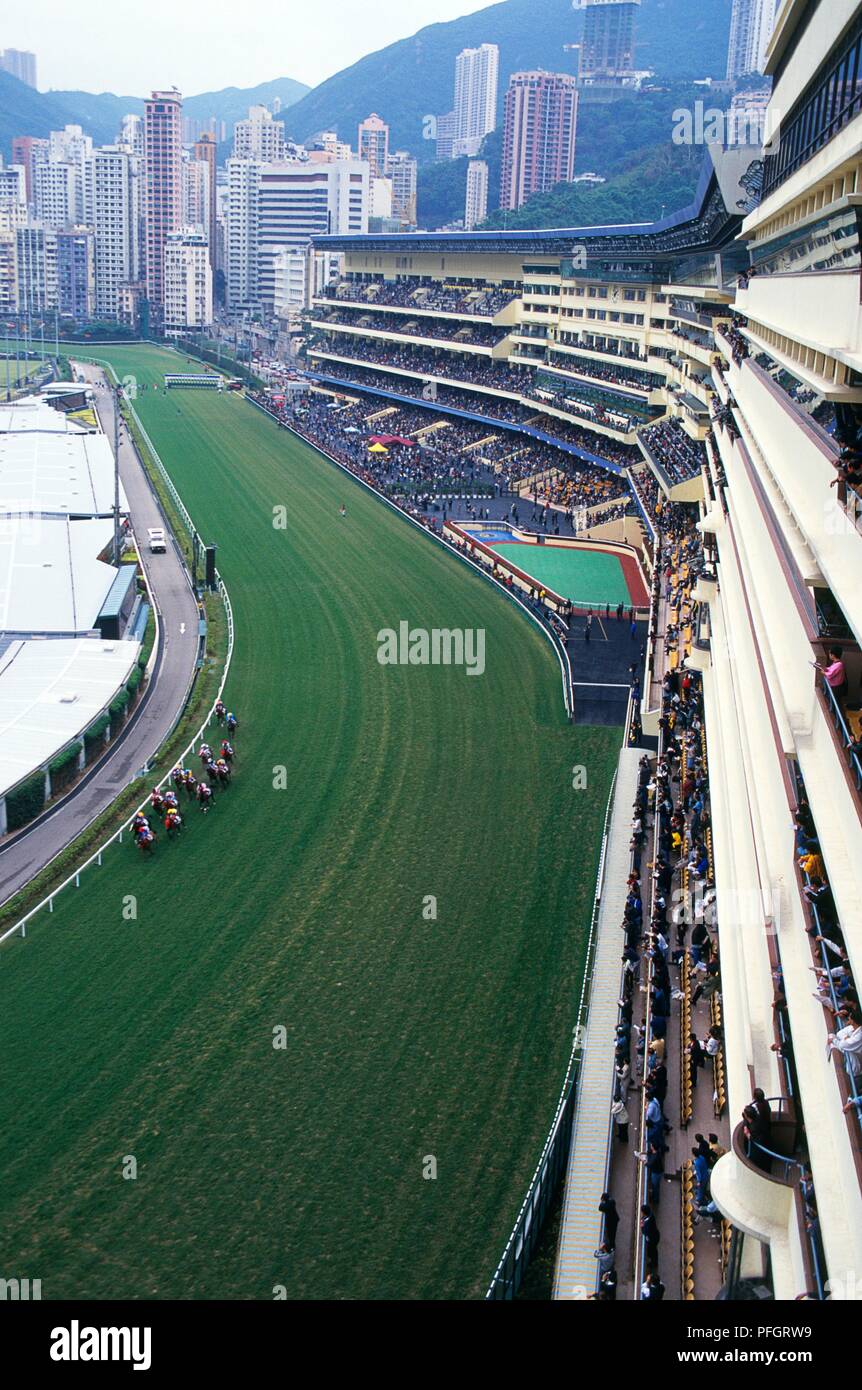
(836, 675)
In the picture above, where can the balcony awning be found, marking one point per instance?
(693, 404)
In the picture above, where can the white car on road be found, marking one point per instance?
(158, 545)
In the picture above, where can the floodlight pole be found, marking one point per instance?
(117, 476)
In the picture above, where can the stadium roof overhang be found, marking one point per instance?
(693, 404)
(710, 223)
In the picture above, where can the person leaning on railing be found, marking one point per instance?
(848, 1039)
(835, 675)
(848, 472)
(757, 1132)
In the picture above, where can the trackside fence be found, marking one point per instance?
(95, 859)
(550, 1170)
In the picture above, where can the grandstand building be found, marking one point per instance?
(713, 361)
(579, 328)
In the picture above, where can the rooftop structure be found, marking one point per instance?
(50, 463)
(50, 692)
(608, 47)
(69, 474)
(52, 581)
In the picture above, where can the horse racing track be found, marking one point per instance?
(239, 1064)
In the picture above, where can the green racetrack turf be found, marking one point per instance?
(584, 576)
(302, 908)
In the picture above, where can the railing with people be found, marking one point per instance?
(824, 927)
(852, 745)
(641, 1200)
(620, 1087)
(545, 1183)
(791, 1170)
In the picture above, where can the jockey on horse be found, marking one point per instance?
(205, 796)
(145, 839)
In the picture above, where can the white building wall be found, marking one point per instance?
(188, 282)
(259, 136)
(241, 232)
(476, 208)
(476, 78)
(57, 193)
(110, 210)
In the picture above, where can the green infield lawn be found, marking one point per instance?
(296, 914)
(11, 372)
(587, 577)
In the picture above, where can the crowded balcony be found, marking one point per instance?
(673, 454)
(481, 338)
(497, 407)
(423, 296)
(814, 468)
(615, 374)
(693, 342)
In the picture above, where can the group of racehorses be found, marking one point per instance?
(164, 805)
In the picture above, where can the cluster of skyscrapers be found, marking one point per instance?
(116, 232)
(278, 195)
(138, 231)
(540, 125)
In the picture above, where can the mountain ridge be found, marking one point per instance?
(25, 111)
(406, 81)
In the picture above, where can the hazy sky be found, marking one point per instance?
(203, 45)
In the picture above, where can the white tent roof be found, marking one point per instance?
(50, 578)
(50, 691)
(66, 388)
(33, 414)
(57, 472)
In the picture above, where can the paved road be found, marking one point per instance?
(26, 853)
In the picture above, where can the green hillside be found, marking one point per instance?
(661, 180)
(414, 78)
(629, 143)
